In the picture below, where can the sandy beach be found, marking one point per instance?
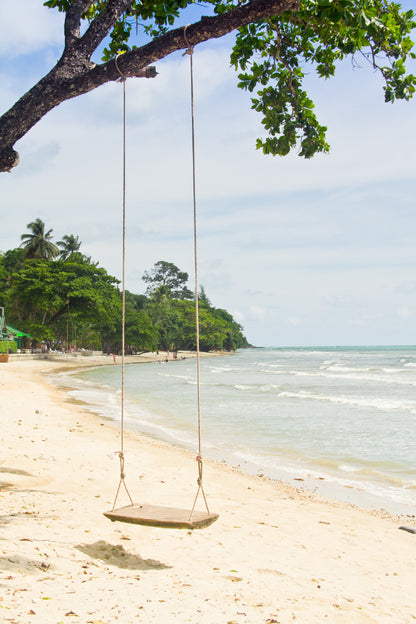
(275, 555)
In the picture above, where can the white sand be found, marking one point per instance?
(276, 554)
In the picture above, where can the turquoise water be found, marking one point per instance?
(339, 420)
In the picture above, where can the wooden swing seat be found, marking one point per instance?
(155, 515)
(162, 517)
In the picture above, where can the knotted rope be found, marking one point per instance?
(199, 460)
(190, 52)
(123, 282)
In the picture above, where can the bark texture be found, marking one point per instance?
(74, 74)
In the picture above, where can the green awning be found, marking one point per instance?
(16, 332)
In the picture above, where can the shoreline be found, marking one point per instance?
(305, 475)
(96, 358)
(276, 552)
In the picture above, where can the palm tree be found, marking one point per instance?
(39, 244)
(161, 294)
(69, 245)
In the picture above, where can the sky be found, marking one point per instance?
(301, 252)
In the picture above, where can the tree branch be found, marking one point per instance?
(102, 25)
(73, 20)
(74, 75)
(207, 28)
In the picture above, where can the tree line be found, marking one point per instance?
(63, 298)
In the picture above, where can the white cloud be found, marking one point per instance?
(256, 312)
(404, 312)
(27, 27)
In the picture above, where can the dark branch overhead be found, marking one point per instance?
(275, 40)
(75, 74)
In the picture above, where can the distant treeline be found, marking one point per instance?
(61, 297)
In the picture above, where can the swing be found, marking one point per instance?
(147, 514)
(162, 517)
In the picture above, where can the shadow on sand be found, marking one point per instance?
(117, 556)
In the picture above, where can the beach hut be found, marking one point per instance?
(4, 338)
(17, 334)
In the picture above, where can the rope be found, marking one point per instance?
(123, 282)
(190, 52)
(122, 482)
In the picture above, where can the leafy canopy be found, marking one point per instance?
(72, 301)
(44, 291)
(165, 279)
(272, 55)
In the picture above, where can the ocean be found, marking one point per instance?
(340, 421)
